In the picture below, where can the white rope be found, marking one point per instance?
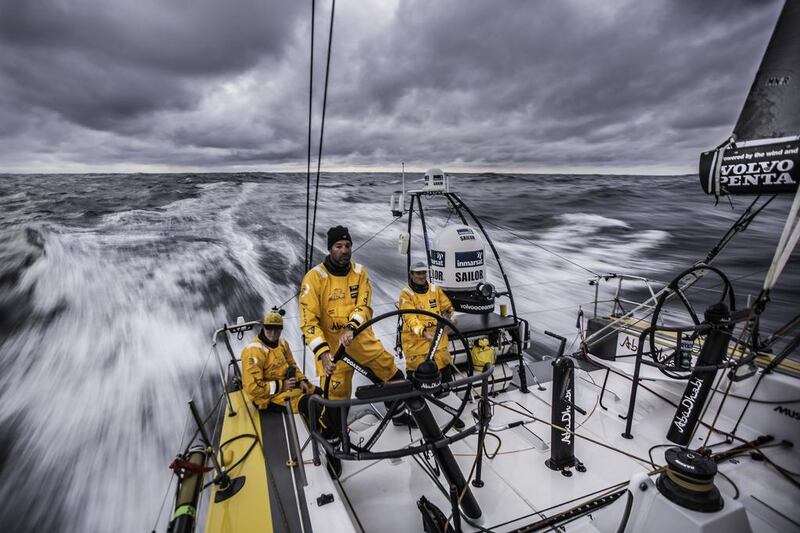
(786, 244)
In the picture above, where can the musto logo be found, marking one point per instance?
(469, 259)
(437, 258)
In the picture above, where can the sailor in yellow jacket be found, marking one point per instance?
(335, 299)
(270, 374)
(418, 330)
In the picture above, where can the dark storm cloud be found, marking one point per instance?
(584, 75)
(99, 63)
(512, 84)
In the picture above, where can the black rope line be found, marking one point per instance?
(321, 135)
(310, 101)
(741, 224)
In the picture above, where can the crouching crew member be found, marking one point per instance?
(335, 299)
(271, 377)
(270, 374)
(418, 330)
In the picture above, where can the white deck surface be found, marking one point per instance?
(383, 494)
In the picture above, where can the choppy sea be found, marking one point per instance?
(111, 286)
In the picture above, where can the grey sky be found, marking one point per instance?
(521, 85)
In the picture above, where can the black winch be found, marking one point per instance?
(689, 481)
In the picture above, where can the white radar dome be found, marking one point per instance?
(458, 258)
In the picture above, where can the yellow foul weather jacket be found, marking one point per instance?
(264, 370)
(329, 303)
(415, 345)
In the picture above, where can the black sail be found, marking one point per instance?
(763, 155)
(772, 108)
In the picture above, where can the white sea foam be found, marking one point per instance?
(101, 388)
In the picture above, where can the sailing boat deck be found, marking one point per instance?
(519, 489)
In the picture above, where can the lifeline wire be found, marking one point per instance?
(589, 270)
(296, 294)
(180, 441)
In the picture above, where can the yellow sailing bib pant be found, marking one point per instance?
(328, 304)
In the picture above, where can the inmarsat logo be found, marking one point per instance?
(437, 258)
(469, 259)
(791, 413)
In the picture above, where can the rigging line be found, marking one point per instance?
(308, 169)
(753, 316)
(736, 497)
(163, 503)
(292, 297)
(777, 512)
(660, 396)
(191, 397)
(741, 224)
(296, 294)
(394, 302)
(543, 248)
(777, 466)
(321, 133)
(721, 244)
(425, 467)
(786, 243)
(463, 492)
(567, 430)
(609, 490)
(377, 233)
(782, 471)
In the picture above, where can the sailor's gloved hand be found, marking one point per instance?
(289, 384)
(327, 363)
(307, 387)
(346, 338)
(428, 336)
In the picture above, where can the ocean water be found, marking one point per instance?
(111, 286)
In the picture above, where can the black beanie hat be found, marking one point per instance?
(338, 233)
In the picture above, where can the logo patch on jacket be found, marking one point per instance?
(353, 291)
(336, 294)
(432, 302)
